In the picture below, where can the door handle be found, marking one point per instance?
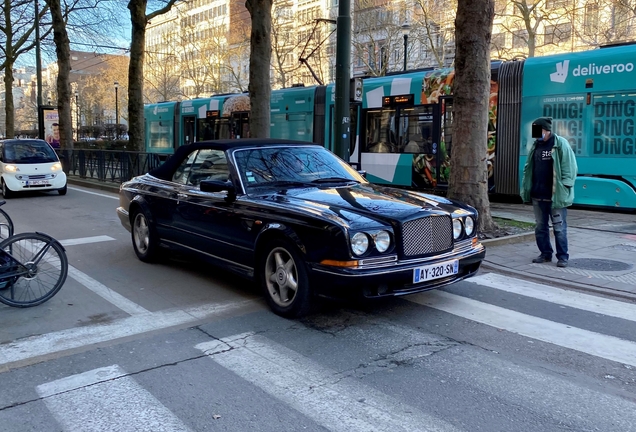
(182, 196)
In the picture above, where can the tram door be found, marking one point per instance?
(240, 125)
(189, 129)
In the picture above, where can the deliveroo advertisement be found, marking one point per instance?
(591, 97)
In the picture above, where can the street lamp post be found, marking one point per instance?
(116, 111)
(78, 114)
(405, 32)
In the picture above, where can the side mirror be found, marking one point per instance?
(219, 186)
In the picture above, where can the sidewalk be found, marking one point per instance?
(602, 248)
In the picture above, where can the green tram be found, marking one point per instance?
(402, 124)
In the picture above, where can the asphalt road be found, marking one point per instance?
(180, 346)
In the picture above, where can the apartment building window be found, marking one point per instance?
(498, 41)
(554, 4)
(520, 39)
(500, 6)
(590, 23)
(621, 17)
(556, 34)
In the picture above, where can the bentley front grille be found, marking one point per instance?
(428, 235)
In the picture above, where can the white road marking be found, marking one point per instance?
(577, 300)
(94, 193)
(337, 402)
(96, 287)
(55, 342)
(596, 344)
(106, 293)
(106, 399)
(85, 240)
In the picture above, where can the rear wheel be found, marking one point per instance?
(39, 265)
(144, 237)
(6, 192)
(284, 280)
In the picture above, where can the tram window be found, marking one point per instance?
(160, 134)
(416, 130)
(205, 130)
(381, 132)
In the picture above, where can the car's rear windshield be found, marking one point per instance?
(28, 152)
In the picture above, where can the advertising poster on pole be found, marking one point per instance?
(52, 127)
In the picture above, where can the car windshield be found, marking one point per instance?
(292, 166)
(28, 152)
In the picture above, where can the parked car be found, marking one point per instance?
(300, 221)
(29, 165)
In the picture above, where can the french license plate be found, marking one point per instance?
(37, 182)
(435, 271)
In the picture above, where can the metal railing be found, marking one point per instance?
(113, 166)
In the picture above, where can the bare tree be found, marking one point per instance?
(469, 176)
(204, 57)
(285, 43)
(434, 25)
(16, 38)
(599, 22)
(526, 28)
(260, 60)
(162, 76)
(377, 35)
(139, 20)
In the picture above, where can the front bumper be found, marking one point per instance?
(124, 218)
(43, 182)
(393, 279)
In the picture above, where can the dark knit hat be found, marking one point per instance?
(544, 122)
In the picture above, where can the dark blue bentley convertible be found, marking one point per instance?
(300, 221)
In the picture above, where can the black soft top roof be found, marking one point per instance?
(165, 170)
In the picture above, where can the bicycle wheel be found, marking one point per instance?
(42, 269)
(6, 225)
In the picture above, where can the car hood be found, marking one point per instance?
(363, 203)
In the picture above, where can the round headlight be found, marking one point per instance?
(382, 241)
(359, 243)
(457, 228)
(469, 225)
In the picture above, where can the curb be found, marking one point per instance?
(516, 238)
(93, 184)
(560, 283)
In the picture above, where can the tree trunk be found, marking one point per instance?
(136, 74)
(9, 108)
(63, 50)
(260, 58)
(469, 173)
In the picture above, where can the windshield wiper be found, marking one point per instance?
(281, 183)
(334, 180)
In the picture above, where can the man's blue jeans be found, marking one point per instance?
(543, 213)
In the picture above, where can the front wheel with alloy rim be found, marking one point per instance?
(284, 280)
(144, 238)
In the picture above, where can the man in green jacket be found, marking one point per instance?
(548, 181)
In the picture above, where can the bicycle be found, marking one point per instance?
(33, 266)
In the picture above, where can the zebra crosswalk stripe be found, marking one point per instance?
(312, 389)
(106, 399)
(596, 344)
(575, 299)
